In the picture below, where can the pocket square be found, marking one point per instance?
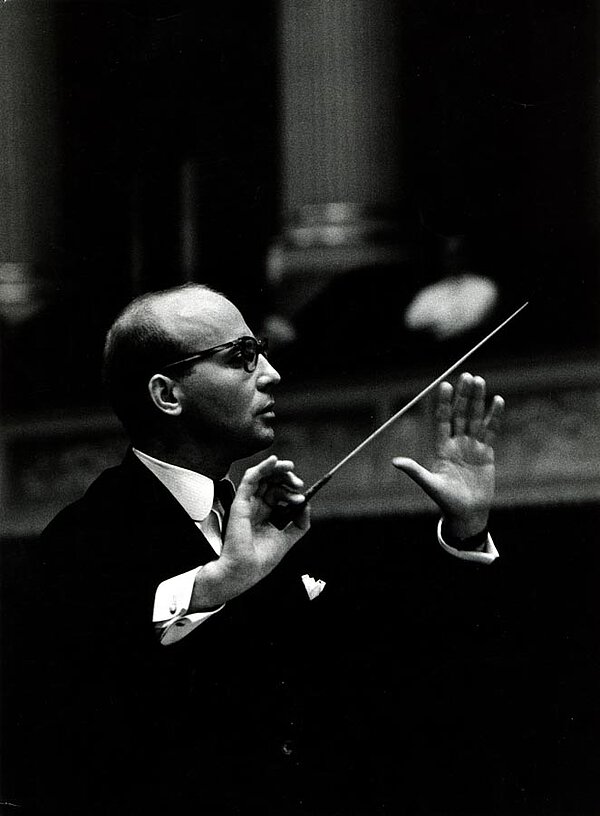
(313, 587)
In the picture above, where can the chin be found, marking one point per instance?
(259, 441)
(265, 439)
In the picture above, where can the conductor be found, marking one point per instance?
(168, 618)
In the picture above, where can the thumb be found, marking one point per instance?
(417, 472)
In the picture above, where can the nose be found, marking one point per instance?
(267, 375)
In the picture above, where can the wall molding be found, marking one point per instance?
(547, 453)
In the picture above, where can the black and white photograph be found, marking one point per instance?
(300, 408)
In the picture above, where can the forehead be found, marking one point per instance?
(201, 319)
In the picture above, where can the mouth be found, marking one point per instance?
(268, 410)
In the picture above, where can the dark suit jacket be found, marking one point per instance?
(228, 720)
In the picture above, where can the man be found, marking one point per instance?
(169, 623)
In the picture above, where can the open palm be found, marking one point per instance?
(461, 479)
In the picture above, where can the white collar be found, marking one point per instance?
(194, 491)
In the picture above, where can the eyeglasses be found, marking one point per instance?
(248, 348)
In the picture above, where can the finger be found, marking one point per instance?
(461, 400)
(284, 465)
(493, 420)
(280, 495)
(443, 413)
(251, 480)
(283, 480)
(294, 517)
(302, 520)
(291, 481)
(281, 473)
(476, 408)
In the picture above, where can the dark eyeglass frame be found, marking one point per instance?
(249, 347)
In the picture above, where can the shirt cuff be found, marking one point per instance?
(486, 556)
(171, 603)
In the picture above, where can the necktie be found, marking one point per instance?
(224, 494)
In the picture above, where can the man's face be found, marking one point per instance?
(221, 401)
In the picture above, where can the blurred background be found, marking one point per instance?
(376, 185)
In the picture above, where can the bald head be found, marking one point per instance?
(154, 329)
(194, 315)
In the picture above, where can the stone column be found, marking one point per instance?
(342, 184)
(29, 164)
(339, 95)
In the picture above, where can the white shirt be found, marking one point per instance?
(195, 493)
(485, 556)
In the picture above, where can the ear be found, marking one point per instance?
(164, 393)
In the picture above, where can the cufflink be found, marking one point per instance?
(173, 605)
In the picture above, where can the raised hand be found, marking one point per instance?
(461, 479)
(249, 533)
(252, 545)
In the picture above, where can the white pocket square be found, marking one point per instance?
(313, 587)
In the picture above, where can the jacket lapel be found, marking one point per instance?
(164, 524)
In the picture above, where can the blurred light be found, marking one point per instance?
(452, 306)
(279, 330)
(22, 293)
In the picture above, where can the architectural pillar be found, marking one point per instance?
(29, 170)
(342, 184)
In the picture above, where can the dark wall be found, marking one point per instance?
(500, 134)
(504, 103)
(143, 89)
